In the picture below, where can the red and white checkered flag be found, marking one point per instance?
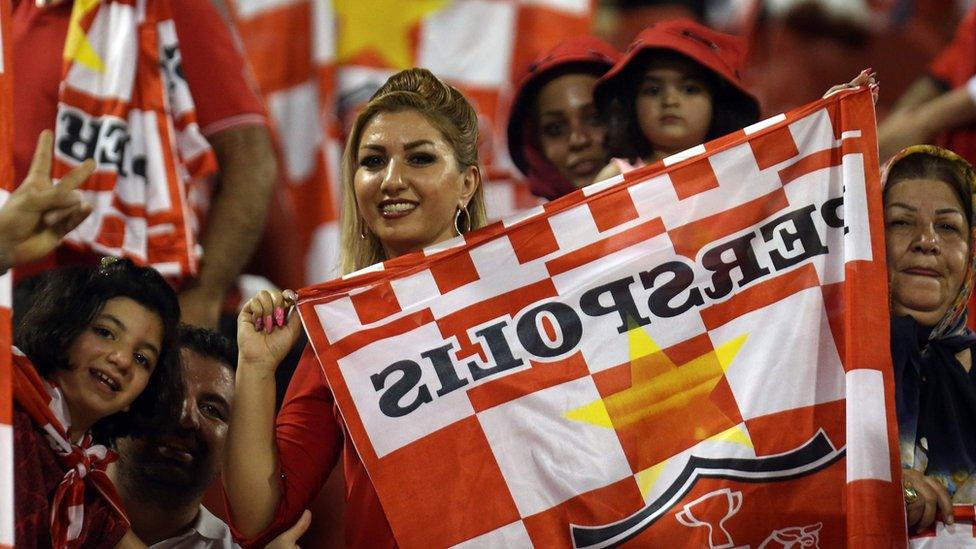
(318, 61)
(672, 355)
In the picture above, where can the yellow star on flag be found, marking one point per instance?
(667, 407)
(381, 27)
(76, 45)
(658, 384)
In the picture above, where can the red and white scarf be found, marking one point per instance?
(84, 462)
(124, 102)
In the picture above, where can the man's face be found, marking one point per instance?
(187, 456)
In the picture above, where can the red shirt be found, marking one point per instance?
(953, 67)
(309, 433)
(214, 69)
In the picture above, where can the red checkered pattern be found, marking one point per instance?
(313, 84)
(527, 384)
(6, 186)
(290, 47)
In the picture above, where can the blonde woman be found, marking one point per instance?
(411, 179)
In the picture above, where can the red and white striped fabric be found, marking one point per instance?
(318, 61)
(124, 102)
(696, 352)
(6, 186)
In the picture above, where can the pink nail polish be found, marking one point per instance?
(258, 323)
(279, 316)
(268, 325)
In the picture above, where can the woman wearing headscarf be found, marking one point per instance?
(928, 201)
(555, 135)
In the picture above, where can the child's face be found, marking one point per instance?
(111, 361)
(674, 104)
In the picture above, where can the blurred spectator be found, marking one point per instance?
(230, 115)
(941, 105)
(799, 49)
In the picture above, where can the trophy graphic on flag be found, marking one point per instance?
(711, 511)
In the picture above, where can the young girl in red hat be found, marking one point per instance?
(555, 135)
(677, 86)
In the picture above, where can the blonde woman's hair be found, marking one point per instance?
(448, 111)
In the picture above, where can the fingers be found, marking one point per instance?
(73, 179)
(269, 309)
(914, 512)
(943, 502)
(75, 217)
(41, 162)
(867, 78)
(928, 510)
(300, 527)
(51, 200)
(933, 501)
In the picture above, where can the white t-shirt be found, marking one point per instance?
(206, 532)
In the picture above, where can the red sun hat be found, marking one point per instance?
(721, 53)
(581, 54)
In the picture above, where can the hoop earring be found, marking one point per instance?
(363, 231)
(457, 220)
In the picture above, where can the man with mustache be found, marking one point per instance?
(162, 479)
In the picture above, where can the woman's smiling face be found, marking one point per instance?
(927, 237)
(407, 182)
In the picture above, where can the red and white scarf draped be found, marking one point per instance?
(83, 462)
(124, 102)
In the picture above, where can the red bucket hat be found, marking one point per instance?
(721, 53)
(582, 54)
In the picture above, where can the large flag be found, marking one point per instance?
(317, 61)
(6, 186)
(696, 352)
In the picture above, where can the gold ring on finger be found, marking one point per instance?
(911, 495)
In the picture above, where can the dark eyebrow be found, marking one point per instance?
(121, 327)
(552, 112)
(370, 146)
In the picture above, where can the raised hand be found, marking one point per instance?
(289, 538)
(267, 328)
(39, 213)
(867, 78)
